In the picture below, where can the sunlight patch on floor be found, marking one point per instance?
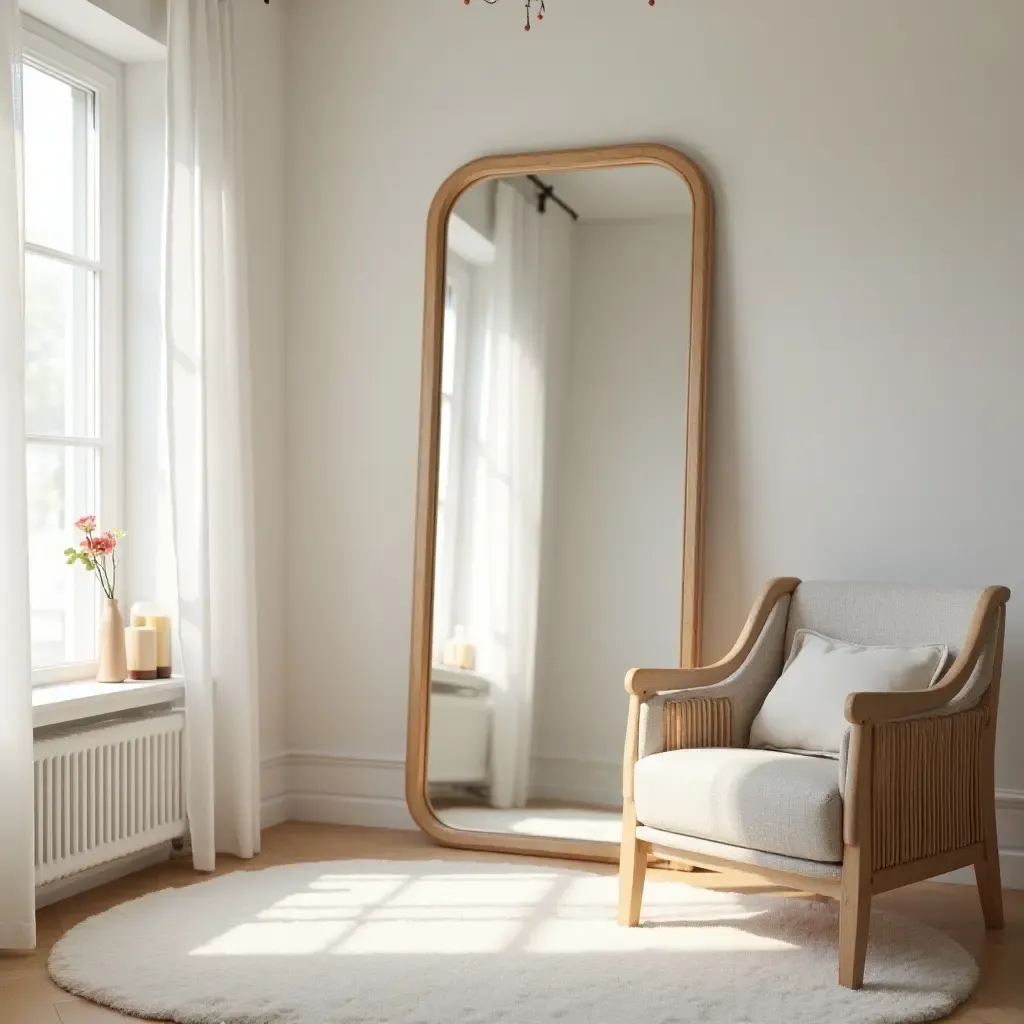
(556, 823)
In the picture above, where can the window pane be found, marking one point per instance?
(442, 589)
(61, 389)
(60, 211)
(62, 485)
(444, 453)
(449, 351)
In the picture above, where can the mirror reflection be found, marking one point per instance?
(558, 557)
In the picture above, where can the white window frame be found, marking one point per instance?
(57, 54)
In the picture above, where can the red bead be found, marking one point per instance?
(527, 28)
(650, 3)
(540, 17)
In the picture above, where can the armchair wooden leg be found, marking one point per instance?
(990, 887)
(854, 918)
(632, 871)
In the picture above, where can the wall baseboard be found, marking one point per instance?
(274, 790)
(312, 786)
(368, 812)
(274, 810)
(1010, 823)
(1011, 865)
(596, 783)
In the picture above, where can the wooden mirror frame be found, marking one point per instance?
(516, 165)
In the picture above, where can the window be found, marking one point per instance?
(72, 337)
(457, 305)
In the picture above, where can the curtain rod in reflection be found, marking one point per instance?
(546, 192)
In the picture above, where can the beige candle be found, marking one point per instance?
(162, 625)
(141, 644)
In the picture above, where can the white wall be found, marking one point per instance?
(127, 30)
(866, 363)
(145, 130)
(260, 63)
(476, 207)
(146, 16)
(612, 579)
(259, 35)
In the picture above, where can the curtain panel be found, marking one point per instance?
(209, 430)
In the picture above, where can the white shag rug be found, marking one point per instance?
(417, 942)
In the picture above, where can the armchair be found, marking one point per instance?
(912, 795)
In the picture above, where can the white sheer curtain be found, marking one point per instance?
(505, 473)
(17, 870)
(209, 421)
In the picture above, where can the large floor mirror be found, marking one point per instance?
(559, 520)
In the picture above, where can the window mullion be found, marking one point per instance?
(59, 256)
(62, 441)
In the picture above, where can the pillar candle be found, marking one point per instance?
(162, 625)
(141, 644)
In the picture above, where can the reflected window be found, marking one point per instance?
(457, 307)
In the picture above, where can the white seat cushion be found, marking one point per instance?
(766, 800)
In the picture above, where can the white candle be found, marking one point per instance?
(162, 625)
(141, 646)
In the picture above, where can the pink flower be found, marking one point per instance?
(107, 542)
(86, 524)
(103, 544)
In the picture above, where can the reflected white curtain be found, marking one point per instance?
(17, 869)
(209, 430)
(505, 475)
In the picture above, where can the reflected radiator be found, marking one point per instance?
(106, 792)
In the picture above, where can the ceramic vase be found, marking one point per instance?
(113, 663)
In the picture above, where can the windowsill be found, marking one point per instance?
(57, 703)
(459, 677)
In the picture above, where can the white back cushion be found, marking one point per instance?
(804, 711)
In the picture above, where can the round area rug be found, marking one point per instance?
(417, 942)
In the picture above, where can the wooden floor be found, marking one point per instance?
(27, 996)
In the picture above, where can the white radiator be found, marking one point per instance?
(106, 792)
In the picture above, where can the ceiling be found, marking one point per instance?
(623, 192)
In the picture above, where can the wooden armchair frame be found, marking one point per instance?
(904, 753)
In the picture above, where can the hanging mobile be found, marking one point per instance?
(541, 9)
